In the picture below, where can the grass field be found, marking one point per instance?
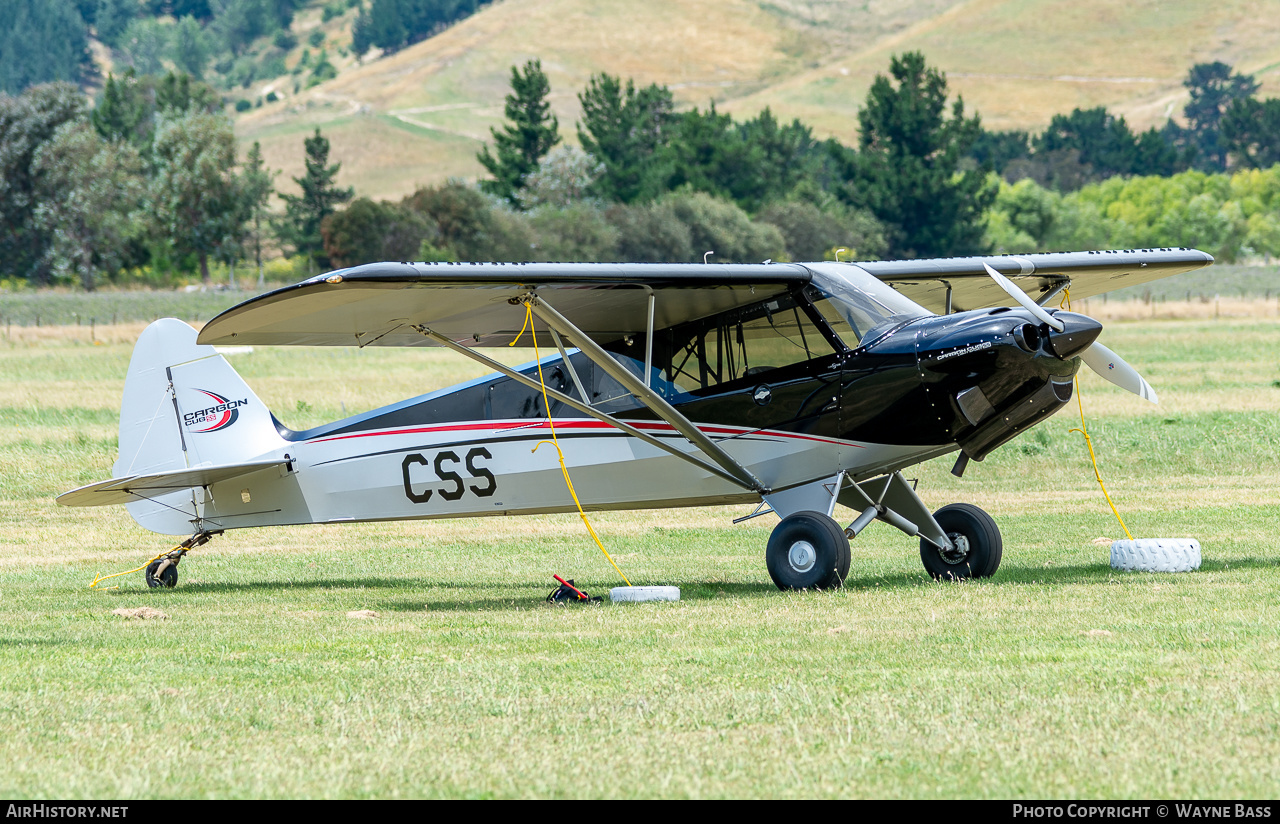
(1056, 678)
(1239, 285)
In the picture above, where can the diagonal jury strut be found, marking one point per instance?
(573, 402)
(647, 396)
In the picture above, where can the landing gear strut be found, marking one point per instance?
(809, 550)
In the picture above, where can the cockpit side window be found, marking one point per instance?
(740, 344)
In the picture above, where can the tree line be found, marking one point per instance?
(650, 183)
(229, 42)
(149, 178)
(393, 24)
(232, 42)
(1227, 128)
(148, 181)
(1229, 215)
(647, 176)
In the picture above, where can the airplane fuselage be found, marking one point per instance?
(932, 385)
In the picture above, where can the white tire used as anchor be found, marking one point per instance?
(1156, 555)
(637, 594)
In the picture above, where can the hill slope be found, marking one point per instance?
(421, 115)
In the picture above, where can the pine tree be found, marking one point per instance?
(1213, 87)
(532, 132)
(123, 112)
(625, 129)
(1251, 132)
(906, 170)
(320, 196)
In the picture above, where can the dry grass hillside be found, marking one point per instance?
(420, 115)
(1019, 62)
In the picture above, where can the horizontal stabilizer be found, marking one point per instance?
(134, 487)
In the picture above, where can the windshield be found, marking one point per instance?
(858, 305)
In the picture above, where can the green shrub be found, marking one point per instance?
(461, 215)
(651, 233)
(810, 232)
(720, 226)
(578, 233)
(369, 231)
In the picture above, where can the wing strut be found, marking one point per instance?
(643, 393)
(576, 404)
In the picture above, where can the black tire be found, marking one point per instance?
(968, 525)
(167, 579)
(808, 550)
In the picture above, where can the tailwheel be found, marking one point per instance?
(976, 544)
(163, 572)
(808, 550)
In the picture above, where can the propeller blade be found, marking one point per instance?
(1023, 299)
(1112, 367)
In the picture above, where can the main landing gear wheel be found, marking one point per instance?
(808, 550)
(977, 544)
(162, 572)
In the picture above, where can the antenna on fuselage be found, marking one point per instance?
(706, 255)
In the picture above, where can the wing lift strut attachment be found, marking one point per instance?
(721, 463)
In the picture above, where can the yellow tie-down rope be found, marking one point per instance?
(546, 405)
(97, 579)
(1066, 299)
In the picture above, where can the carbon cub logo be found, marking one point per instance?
(219, 416)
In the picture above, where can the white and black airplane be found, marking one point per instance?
(792, 386)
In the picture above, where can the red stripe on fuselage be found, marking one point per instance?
(578, 424)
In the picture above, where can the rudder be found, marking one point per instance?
(185, 407)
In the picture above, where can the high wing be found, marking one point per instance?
(382, 304)
(379, 304)
(1042, 276)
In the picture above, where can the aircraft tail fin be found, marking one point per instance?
(184, 407)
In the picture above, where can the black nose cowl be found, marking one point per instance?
(1080, 331)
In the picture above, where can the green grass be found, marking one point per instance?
(1056, 678)
(1226, 280)
(75, 308)
(47, 308)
